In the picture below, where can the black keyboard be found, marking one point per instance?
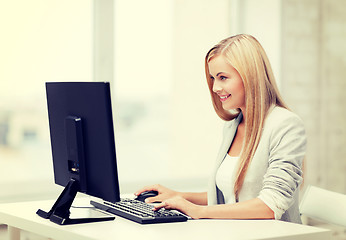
(140, 212)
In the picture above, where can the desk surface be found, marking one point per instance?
(22, 216)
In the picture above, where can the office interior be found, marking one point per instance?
(152, 52)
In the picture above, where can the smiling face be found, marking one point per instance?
(227, 84)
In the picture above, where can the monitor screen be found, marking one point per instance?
(82, 137)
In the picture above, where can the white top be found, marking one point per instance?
(224, 180)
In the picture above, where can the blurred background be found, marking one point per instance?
(153, 52)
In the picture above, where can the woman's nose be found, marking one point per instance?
(216, 87)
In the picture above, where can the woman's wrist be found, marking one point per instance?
(202, 212)
(184, 195)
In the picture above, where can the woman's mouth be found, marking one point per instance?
(224, 97)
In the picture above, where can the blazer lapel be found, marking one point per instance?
(228, 136)
(230, 129)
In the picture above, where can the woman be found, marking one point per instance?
(258, 168)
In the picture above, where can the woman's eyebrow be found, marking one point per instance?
(220, 73)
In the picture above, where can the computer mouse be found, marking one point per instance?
(141, 197)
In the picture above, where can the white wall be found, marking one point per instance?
(314, 69)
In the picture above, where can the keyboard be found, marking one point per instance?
(140, 212)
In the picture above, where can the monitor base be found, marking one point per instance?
(60, 212)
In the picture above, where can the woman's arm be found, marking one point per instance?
(250, 209)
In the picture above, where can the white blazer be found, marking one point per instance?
(275, 172)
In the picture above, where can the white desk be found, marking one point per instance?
(22, 216)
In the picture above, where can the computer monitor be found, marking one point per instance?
(83, 146)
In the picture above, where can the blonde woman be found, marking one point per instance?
(259, 166)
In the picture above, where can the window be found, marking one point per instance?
(40, 41)
(166, 129)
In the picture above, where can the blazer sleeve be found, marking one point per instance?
(284, 174)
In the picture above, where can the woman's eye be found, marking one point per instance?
(223, 78)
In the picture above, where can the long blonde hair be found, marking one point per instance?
(247, 56)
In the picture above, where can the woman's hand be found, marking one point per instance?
(183, 205)
(187, 203)
(163, 193)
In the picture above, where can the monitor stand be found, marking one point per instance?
(60, 212)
